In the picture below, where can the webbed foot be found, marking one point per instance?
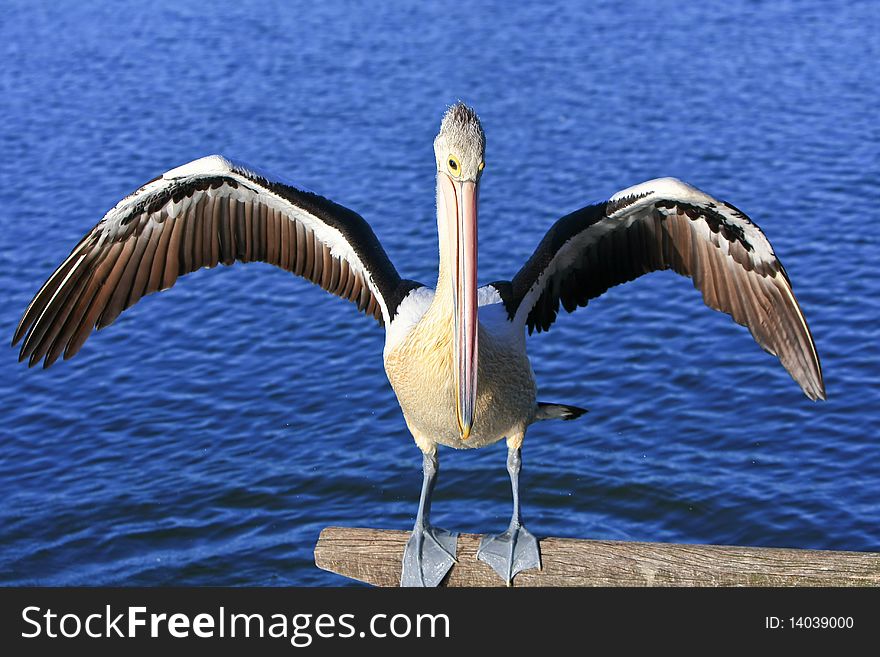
(510, 552)
(429, 555)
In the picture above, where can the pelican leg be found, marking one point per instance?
(430, 551)
(516, 549)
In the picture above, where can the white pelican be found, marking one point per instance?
(461, 381)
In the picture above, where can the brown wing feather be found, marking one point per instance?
(719, 248)
(143, 248)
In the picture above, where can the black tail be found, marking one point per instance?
(558, 412)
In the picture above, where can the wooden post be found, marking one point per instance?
(374, 556)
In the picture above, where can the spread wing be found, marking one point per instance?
(202, 214)
(667, 224)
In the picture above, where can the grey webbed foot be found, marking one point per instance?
(429, 554)
(510, 552)
(515, 550)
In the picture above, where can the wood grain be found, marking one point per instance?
(374, 556)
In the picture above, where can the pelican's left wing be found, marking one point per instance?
(201, 214)
(667, 224)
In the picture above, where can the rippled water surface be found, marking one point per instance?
(209, 435)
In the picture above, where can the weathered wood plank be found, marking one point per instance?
(374, 556)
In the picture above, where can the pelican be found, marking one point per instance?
(455, 355)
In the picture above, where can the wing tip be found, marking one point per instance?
(26, 322)
(812, 385)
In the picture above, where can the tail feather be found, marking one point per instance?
(558, 412)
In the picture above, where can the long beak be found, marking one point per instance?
(461, 220)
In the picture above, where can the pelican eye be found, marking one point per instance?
(482, 165)
(454, 166)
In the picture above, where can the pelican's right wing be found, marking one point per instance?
(201, 214)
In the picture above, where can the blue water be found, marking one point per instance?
(209, 435)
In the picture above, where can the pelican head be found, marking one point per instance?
(459, 149)
(460, 145)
